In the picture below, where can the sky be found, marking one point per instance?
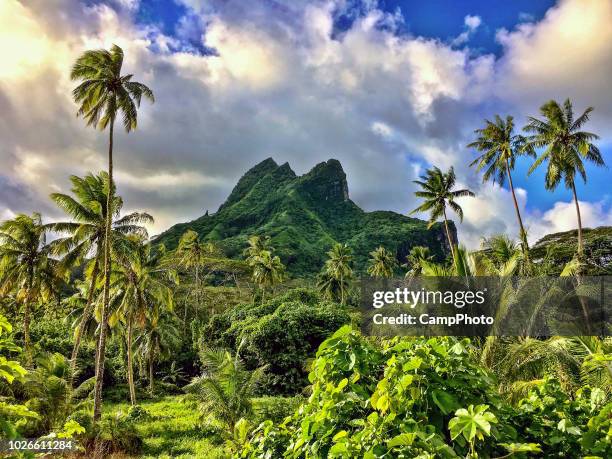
(388, 87)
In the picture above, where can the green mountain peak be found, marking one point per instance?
(304, 216)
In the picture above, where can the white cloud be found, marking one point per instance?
(562, 217)
(568, 53)
(283, 85)
(472, 22)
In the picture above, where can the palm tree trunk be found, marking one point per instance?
(450, 241)
(86, 316)
(580, 247)
(130, 362)
(107, 263)
(26, 330)
(523, 233)
(151, 368)
(27, 343)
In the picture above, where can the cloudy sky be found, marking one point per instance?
(387, 87)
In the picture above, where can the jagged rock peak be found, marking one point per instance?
(327, 180)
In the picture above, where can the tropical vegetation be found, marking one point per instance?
(237, 335)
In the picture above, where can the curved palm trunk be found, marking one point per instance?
(107, 263)
(151, 368)
(580, 246)
(130, 363)
(450, 241)
(523, 234)
(86, 316)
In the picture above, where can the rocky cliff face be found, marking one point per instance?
(305, 216)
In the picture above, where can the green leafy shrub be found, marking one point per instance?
(557, 422)
(426, 398)
(281, 334)
(137, 413)
(115, 434)
(275, 409)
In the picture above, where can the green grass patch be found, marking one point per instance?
(172, 430)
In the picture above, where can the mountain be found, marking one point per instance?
(305, 215)
(559, 248)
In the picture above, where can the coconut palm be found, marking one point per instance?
(414, 260)
(500, 147)
(225, 389)
(26, 267)
(157, 340)
(566, 148)
(437, 190)
(268, 270)
(337, 272)
(87, 209)
(573, 360)
(102, 95)
(141, 282)
(192, 254)
(499, 248)
(257, 244)
(382, 263)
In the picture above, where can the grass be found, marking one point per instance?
(172, 431)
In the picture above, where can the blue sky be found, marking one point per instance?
(437, 19)
(388, 87)
(441, 19)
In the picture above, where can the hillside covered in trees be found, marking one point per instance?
(304, 217)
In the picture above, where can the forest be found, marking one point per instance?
(227, 337)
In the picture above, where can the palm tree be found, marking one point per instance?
(157, 340)
(437, 190)
(142, 284)
(414, 260)
(566, 146)
(225, 389)
(102, 95)
(500, 248)
(574, 360)
(26, 266)
(500, 147)
(268, 270)
(337, 272)
(257, 244)
(382, 263)
(88, 211)
(192, 254)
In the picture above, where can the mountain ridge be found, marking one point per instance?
(304, 216)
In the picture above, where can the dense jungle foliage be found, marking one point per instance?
(235, 335)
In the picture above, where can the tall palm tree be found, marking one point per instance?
(565, 148)
(268, 270)
(102, 95)
(26, 267)
(382, 263)
(157, 340)
(337, 272)
(437, 190)
(192, 254)
(142, 283)
(86, 232)
(500, 147)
